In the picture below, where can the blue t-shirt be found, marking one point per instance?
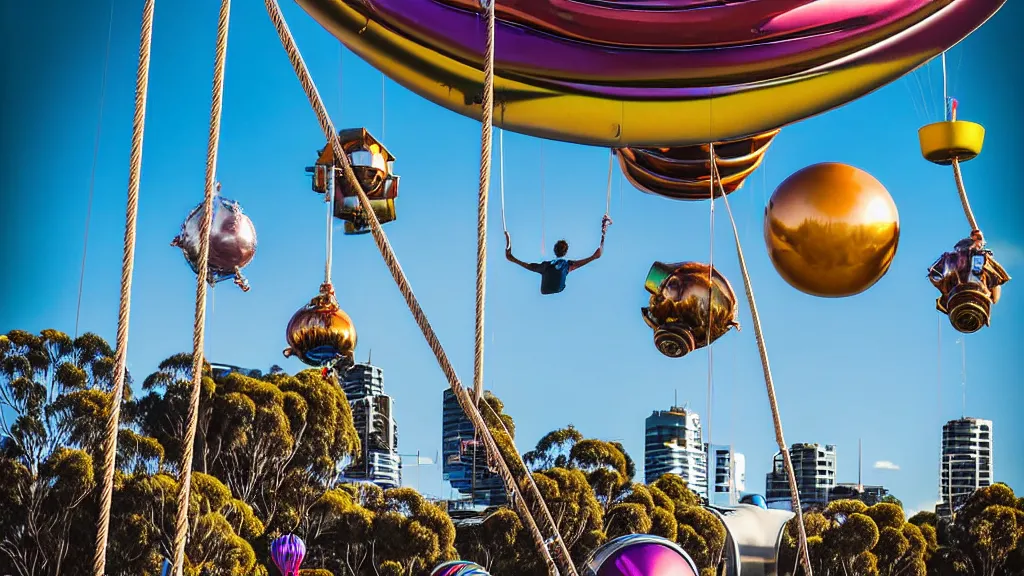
(552, 275)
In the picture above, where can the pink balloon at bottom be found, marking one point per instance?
(640, 555)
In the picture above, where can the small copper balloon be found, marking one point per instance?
(232, 241)
(678, 310)
(321, 333)
(970, 281)
(831, 230)
(684, 173)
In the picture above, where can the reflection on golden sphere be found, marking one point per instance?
(679, 307)
(831, 230)
(321, 333)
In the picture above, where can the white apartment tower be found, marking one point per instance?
(966, 461)
(674, 444)
(814, 466)
(730, 475)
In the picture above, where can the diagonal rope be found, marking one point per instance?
(127, 268)
(387, 253)
(769, 384)
(95, 159)
(199, 328)
(486, 135)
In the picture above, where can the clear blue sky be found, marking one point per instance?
(862, 367)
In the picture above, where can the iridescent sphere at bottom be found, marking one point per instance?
(640, 555)
(459, 568)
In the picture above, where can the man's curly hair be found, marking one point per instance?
(561, 248)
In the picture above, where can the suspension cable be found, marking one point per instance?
(127, 268)
(769, 384)
(387, 253)
(501, 176)
(202, 269)
(708, 343)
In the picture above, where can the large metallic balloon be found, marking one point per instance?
(287, 552)
(684, 173)
(678, 311)
(640, 555)
(321, 333)
(970, 281)
(831, 230)
(374, 168)
(459, 568)
(645, 73)
(232, 241)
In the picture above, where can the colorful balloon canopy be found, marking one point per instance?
(287, 552)
(232, 241)
(640, 555)
(679, 306)
(644, 74)
(459, 568)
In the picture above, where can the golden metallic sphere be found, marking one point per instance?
(831, 230)
(321, 333)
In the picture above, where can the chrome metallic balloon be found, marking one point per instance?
(321, 333)
(640, 555)
(678, 310)
(232, 241)
(970, 281)
(684, 173)
(373, 166)
(831, 230)
(459, 568)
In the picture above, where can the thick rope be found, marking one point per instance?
(95, 161)
(959, 177)
(127, 268)
(388, 255)
(199, 328)
(769, 384)
(486, 135)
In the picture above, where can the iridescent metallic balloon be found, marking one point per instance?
(287, 552)
(640, 555)
(831, 230)
(232, 241)
(459, 568)
(685, 173)
(970, 281)
(678, 310)
(321, 333)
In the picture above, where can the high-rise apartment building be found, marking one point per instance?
(465, 464)
(966, 462)
(814, 466)
(372, 414)
(730, 475)
(673, 443)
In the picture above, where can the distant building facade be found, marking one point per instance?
(673, 443)
(869, 495)
(814, 466)
(222, 370)
(373, 416)
(730, 475)
(464, 458)
(966, 462)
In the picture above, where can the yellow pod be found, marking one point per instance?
(941, 142)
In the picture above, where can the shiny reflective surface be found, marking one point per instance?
(831, 230)
(644, 73)
(321, 333)
(678, 310)
(459, 568)
(970, 281)
(684, 173)
(373, 166)
(640, 555)
(232, 242)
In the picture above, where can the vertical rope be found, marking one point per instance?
(127, 268)
(95, 160)
(329, 259)
(199, 328)
(501, 176)
(486, 134)
(712, 467)
(543, 241)
(611, 174)
(959, 178)
(388, 255)
(383, 108)
(769, 384)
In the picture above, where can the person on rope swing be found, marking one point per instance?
(553, 272)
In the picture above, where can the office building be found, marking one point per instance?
(673, 444)
(814, 466)
(869, 495)
(373, 416)
(730, 475)
(966, 462)
(222, 370)
(464, 463)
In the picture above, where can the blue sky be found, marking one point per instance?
(863, 367)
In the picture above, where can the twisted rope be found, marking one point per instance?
(199, 328)
(486, 134)
(388, 255)
(959, 177)
(127, 268)
(769, 384)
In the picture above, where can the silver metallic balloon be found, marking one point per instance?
(232, 241)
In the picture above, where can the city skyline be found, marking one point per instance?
(863, 367)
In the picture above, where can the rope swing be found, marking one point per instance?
(127, 268)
